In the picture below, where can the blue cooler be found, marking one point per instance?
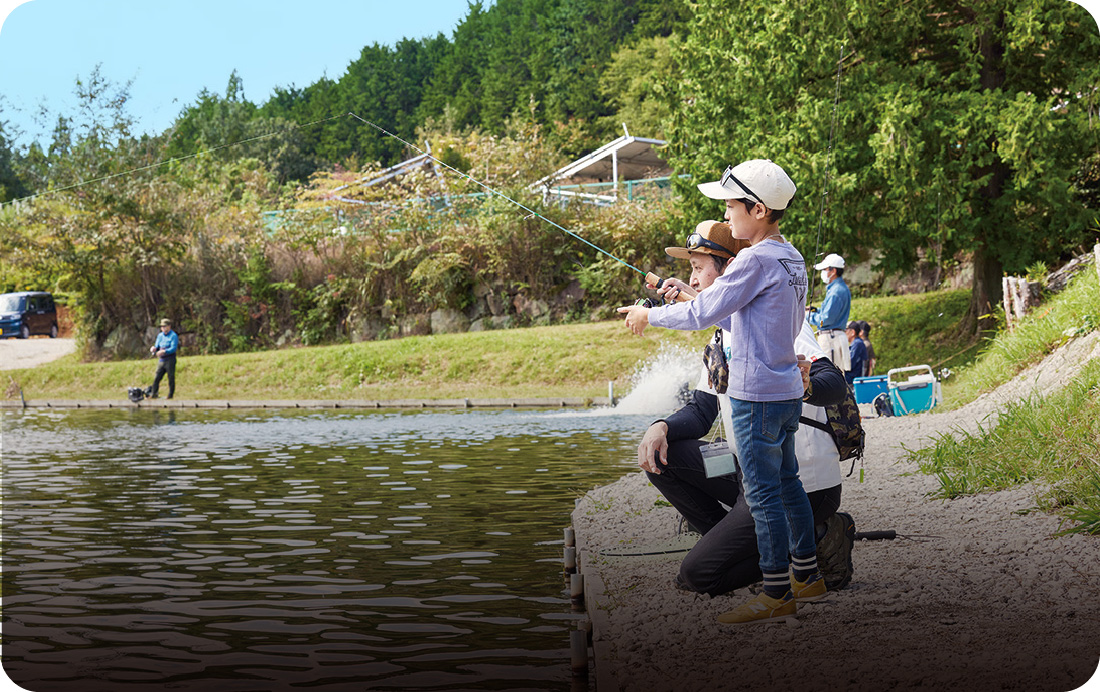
(867, 388)
(917, 392)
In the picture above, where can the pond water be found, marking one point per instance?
(216, 550)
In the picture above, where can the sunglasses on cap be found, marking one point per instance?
(728, 175)
(696, 241)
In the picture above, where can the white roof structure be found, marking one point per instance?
(407, 166)
(626, 158)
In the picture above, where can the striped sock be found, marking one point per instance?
(804, 567)
(776, 584)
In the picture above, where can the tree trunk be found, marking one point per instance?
(985, 290)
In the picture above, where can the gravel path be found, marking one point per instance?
(994, 603)
(16, 354)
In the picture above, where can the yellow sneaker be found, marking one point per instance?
(763, 608)
(812, 589)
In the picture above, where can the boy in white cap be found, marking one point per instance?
(760, 300)
(832, 319)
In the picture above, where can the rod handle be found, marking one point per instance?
(683, 296)
(887, 535)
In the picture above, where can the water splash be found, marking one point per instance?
(663, 383)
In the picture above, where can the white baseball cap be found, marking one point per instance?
(758, 179)
(834, 261)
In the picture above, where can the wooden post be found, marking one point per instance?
(1096, 259)
(576, 591)
(570, 559)
(1018, 297)
(578, 649)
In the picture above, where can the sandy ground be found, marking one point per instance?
(993, 602)
(16, 354)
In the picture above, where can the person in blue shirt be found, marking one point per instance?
(857, 353)
(165, 348)
(832, 319)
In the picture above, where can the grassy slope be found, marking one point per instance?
(1073, 312)
(567, 360)
(1054, 441)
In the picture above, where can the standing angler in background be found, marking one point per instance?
(165, 348)
(832, 319)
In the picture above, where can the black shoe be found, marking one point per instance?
(834, 551)
(153, 396)
(682, 585)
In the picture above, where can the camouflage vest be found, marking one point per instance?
(844, 427)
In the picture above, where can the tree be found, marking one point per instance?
(960, 127)
(231, 128)
(636, 83)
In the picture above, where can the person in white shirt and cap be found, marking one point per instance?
(832, 318)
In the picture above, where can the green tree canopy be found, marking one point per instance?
(960, 126)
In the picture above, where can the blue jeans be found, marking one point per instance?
(764, 431)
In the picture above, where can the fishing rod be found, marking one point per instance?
(828, 166)
(163, 162)
(651, 278)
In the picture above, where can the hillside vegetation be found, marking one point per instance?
(249, 223)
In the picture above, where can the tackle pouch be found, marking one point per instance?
(714, 360)
(718, 459)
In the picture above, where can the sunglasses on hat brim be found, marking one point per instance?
(696, 241)
(728, 175)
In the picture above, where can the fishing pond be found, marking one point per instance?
(266, 550)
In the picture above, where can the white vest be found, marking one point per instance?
(818, 458)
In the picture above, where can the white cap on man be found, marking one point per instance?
(834, 261)
(758, 179)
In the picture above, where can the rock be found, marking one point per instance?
(528, 307)
(367, 329)
(415, 325)
(497, 306)
(124, 342)
(447, 321)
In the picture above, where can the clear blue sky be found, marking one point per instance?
(172, 49)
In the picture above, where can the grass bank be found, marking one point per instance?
(574, 360)
(569, 360)
(1053, 441)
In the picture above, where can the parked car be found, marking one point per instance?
(26, 313)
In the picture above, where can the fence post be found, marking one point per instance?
(1006, 298)
(1096, 259)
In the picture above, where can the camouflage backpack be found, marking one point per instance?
(844, 427)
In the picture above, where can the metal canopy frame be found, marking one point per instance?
(625, 158)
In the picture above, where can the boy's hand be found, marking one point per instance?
(637, 318)
(804, 370)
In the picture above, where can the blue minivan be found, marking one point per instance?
(26, 313)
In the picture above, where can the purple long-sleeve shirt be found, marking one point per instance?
(761, 300)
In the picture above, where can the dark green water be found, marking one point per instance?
(150, 550)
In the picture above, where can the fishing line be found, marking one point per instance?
(166, 162)
(828, 166)
(532, 212)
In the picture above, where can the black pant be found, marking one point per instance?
(167, 366)
(726, 557)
